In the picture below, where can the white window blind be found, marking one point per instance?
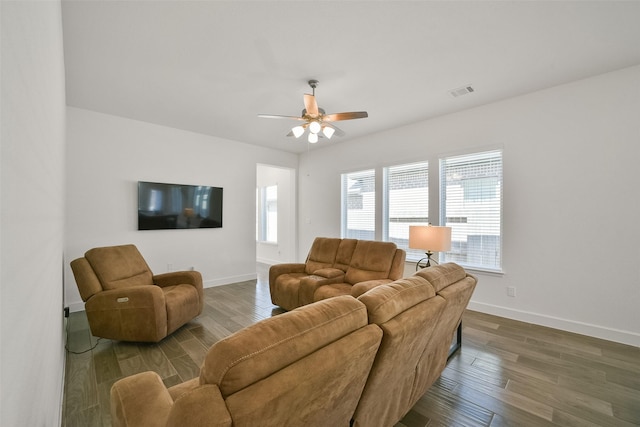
(406, 202)
(471, 204)
(358, 205)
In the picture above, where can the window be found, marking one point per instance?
(406, 202)
(267, 204)
(471, 204)
(359, 205)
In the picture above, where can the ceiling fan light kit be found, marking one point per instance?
(328, 131)
(315, 118)
(297, 131)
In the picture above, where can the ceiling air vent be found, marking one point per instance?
(461, 91)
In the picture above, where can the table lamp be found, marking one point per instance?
(430, 239)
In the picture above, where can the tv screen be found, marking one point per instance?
(171, 206)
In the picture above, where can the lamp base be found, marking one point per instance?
(429, 261)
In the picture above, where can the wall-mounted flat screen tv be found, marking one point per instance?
(170, 206)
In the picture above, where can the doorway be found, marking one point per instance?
(276, 224)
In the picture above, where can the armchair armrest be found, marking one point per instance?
(131, 297)
(137, 313)
(362, 287)
(309, 284)
(193, 278)
(140, 400)
(202, 406)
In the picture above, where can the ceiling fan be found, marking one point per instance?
(319, 123)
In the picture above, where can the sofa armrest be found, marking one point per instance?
(362, 287)
(309, 284)
(179, 389)
(280, 269)
(140, 400)
(202, 406)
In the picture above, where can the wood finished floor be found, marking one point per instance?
(508, 373)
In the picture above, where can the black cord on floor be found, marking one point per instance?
(66, 344)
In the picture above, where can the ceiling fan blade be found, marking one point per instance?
(275, 116)
(311, 105)
(335, 117)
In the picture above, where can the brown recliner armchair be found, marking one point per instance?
(125, 301)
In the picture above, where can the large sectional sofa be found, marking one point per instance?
(336, 362)
(335, 267)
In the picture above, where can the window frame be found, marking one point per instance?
(454, 221)
(387, 173)
(370, 174)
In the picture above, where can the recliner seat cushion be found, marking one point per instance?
(331, 291)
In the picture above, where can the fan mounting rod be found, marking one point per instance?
(313, 83)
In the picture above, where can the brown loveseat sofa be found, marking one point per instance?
(335, 267)
(336, 362)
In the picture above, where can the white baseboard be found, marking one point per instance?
(79, 306)
(609, 334)
(228, 280)
(76, 306)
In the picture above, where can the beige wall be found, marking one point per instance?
(108, 155)
(32, 222)
(570, 232)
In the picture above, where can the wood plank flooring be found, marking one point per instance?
(508, 373)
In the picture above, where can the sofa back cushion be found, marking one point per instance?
(443, 275)
(345, 253)
(259, 350)
(371, 260)
(323, 389)
(456, 296)
(322, 254)
(119, 266)
(387, 301)
(407, 310)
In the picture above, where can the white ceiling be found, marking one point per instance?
(212, 66)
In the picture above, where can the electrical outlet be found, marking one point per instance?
(511, 291)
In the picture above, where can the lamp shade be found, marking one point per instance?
(328, 131)
(297, 131)
(430, 238)
(314, 127)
